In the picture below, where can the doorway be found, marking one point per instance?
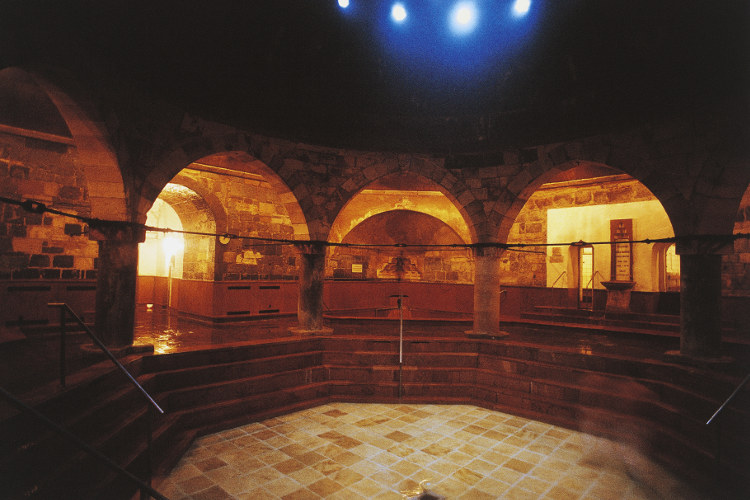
(585, 277)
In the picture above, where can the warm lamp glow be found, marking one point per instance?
(171, 247)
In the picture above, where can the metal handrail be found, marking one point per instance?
(558, 278)
(65, 308)
(729, 399)
(591, 281)
(81, 444)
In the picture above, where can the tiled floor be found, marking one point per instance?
(378, 451)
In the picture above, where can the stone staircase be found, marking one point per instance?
(662, 323)
(663, 404)
(100, 407)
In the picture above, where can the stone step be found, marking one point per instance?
(633, 323)
(190, 397)
(175, 379)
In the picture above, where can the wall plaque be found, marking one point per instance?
(621, 233)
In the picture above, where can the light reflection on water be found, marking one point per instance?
(164, 342)
(169, 332)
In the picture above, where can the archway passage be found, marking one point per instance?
(232, 271)
(400, 236)
(375, 254)
(589, 203)
(169, 256)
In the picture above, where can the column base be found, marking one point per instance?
(486, 335)
(305, 332)
(695, 360)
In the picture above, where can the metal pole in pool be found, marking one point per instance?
(400, 346)
(400, 341)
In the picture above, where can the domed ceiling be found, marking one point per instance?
(309, 70)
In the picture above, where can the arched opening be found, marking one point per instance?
(590, 203)
(167, 258)
(232, 271)
(400, 235)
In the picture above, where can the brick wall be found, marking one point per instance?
(43, 246)
(252, 208)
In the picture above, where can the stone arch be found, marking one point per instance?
(415, 181)
(196, 214)
(527, 186)
(95, 154)
(431, 200)
(696, 169)
(221, 140)
(211, 201)
(574, 208)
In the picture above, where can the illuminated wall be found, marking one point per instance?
(162, 251)
(582, 209)
(591, 223)
(406, 264)
(400, 209)
(252, 208)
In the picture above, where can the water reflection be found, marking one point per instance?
(170, 332)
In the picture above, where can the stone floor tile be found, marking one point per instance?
(560, 493)
(406, 468)
(195, 484)
(475, 494)
(301, 494)
(491, 486)
(518, 493)
(257, 494)
(306, 476)
(213, 493)
(463, 451)
(467, 476)
(366, 488)
(325, 487)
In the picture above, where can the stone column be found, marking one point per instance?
(117, 270)
(700, 306)
(700, 296)
(487, 292)
(310, 304)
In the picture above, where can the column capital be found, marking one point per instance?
(312, 247)
(117, 231)
(705, 244)
(487, 249)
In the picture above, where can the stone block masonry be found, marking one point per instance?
(43, 246)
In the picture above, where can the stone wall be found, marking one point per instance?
(43, 246)
(735, 268)
(252, 208)
(435, 265)
(528, 267)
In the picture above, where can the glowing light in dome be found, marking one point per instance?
(463, 18)
(343, 4)
(521, 7)
(398, 12)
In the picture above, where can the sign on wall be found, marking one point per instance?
(621, 233)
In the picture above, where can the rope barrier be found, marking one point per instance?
(40, 208)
